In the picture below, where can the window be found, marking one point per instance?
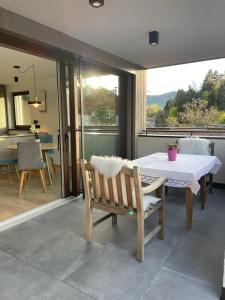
(100, 94)
(100, 104)
(3, 111)
(189, 95)
(22, 109)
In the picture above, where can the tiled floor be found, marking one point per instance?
(47, 257)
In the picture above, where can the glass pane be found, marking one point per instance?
(3, 118)
(100, 107)
(100, 94)
(100, 144)
(68, 126)
(22, 110)
(2, 114)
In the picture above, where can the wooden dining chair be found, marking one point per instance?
(8, 163)
(48, 139)
(30, 160)
(123, 195)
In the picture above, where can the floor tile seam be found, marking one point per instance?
(151, 283)
(190, 277)
(175, 246)
(161, 267)
(208, 217)
(178, 243)
(84, 262)
(181, 240)
(205, 242)
(78, 288)
(56, 229)
(53, 227)
(215, 221)
(45, 272)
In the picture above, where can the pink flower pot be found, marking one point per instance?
(172, 154)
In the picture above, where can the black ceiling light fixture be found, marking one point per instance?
(96, 3)
(153, 37)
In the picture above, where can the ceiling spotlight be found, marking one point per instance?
(96, 3)
(154, 37)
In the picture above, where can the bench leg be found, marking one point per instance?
(88, 221)
(140, 238)
(161, 222)
(114, 219)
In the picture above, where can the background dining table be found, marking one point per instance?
(188, 171)
(45, 147)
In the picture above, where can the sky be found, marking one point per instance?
(167, 79)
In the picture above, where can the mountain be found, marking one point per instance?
(160, 100)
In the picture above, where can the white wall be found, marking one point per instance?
(150, 144)
(49, 120)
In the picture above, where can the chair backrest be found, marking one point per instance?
(122, 191)
(47, 138)
(30, 156)
(198, 146)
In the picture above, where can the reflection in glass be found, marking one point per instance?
(22, 110)
(2, 114)
(100, 112)
(3, 120)
(100, 94)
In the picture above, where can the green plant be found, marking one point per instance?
(173, 146)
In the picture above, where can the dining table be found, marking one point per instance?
(45, 147)
(188, 171)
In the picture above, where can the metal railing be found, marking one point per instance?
(189, 131)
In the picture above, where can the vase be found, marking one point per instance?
(172, 154)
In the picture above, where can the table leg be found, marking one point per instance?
(46, 158)
(203, 191)
(189, 208)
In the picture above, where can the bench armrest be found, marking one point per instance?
(152, 187)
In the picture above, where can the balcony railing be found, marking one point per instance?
(185, 131)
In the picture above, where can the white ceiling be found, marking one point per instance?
(189, 30)
(44, 68)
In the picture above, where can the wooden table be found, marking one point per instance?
(45, 147)
(188, 171)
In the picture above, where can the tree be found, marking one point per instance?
(100, 105)
(208, 89)
(221, 118)
(221, 96)
(184, 97)
(160, 119)
(152, 110)
(198, 114)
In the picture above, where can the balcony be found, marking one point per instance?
(47, 257)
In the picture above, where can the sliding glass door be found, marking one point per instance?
(100, 108)
(101, 114)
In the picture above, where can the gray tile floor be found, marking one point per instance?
(47, 257)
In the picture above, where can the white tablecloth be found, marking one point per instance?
(184, 172)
